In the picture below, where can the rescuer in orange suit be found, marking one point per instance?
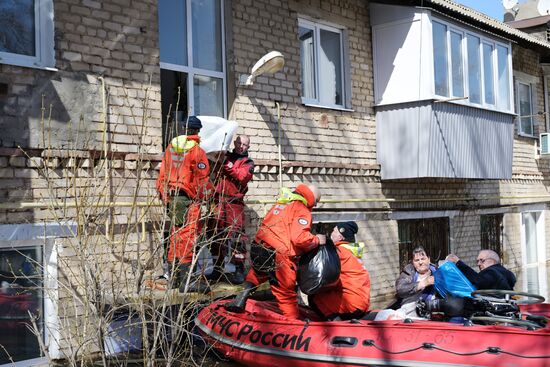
(235, 174)
(349, 298)
(182, 183)
(284, 235)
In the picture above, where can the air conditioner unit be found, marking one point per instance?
(543, 142)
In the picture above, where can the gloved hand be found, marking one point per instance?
(322, 239)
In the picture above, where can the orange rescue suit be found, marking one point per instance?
(184, 171)
(236, 173)
(287, 230)
(351, 293)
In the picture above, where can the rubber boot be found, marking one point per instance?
(216, 275)
(238, 275)
(239, 303)
(195, 285)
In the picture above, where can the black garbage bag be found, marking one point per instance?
(318, 268)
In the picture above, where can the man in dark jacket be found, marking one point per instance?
(492, 275)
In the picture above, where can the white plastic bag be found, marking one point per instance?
(216, 135)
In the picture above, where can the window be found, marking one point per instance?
(457, 81)
(491, 232)
(192, 58)
(525, 108)
(26, 33)
(474, 70)
(469, 65)
(440, 59)
(322, 65)
(533, 253)
(21, 293)
(431, 233)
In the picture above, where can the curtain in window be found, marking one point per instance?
(330, 68)
(489, 91)
(503, 78)
(531, 252)
(525, 108)
(307, 60)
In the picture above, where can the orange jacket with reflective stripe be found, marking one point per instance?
(287, 229)
(185, 170)
(354, 280)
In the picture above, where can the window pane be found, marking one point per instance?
(488, 73)
(207, 34)
(531, 251)
(503, 78)
(330, 68)
(474, 69)
(307, 60)
(173, 94)
(208, 96)
(456, 65)
(20, 293)
(173, 31)
(432, 234)
(491, 236)
(440, 59)
(524, 91)
(17, 27)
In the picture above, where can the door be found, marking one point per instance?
(533, 253)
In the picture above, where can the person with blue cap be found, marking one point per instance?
(182, 183)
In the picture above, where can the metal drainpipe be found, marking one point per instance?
(105, 161)
(279, 144)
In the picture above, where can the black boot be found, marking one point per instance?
(238, 275)
(195, 285)
(239, 303)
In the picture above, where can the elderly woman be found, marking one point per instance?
(415, 282)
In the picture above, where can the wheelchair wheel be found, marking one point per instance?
(505, 320)
(500, 295)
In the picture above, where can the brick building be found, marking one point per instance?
(369, 106)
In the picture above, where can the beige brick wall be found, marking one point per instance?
(308, 134)
(110, 43)
(103, 101)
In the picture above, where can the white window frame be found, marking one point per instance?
(524, 79)
(541, 251)
(44, 236)
(483, 40)
(44, 41)
(49, 296)
(344, 72)
(193, 71)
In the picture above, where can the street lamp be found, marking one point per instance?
(270, 63)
